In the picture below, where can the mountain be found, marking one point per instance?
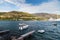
(47, 15)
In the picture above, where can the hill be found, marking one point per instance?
(47, 15)
(16, 15)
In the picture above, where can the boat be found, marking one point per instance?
(41, 31)
(55, 24)
(23, 26)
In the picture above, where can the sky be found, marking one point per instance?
(31, 6)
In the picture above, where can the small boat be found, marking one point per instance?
(23, 26)
(41, 31)
(55, 24)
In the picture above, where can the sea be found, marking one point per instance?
(52, 32)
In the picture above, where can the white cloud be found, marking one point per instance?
(49, 7)
(15, 1)
(1, 1)
(3, 10)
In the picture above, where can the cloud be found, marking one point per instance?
(47, 7)
(1, 1)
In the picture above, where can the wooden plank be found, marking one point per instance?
(4, 31)
(25, 35)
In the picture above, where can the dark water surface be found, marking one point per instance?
(51, 32)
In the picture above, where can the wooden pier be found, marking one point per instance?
(4, 31)
(25, 35)
(22, 37)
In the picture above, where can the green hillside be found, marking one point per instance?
(14, 15)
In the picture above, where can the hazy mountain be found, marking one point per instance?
(46, 15)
